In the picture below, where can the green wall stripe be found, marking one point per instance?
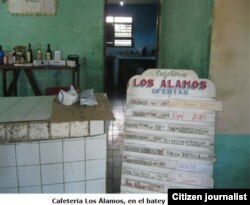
(232, 166)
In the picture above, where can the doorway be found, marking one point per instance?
(131, 41)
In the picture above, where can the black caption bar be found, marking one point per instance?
(208, 196)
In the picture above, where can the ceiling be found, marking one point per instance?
(132, 1)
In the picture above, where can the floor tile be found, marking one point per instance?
(115, 142)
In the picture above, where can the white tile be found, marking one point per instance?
(96, 186)
(8, 177)
(59, 130)
(54, 188)
(73, 150)
(51, 151)
(27, 153)
(16, 131)
(38, 130)
(74, 171)
(7, 155)
(96, 127)
(96, 147)
(9, 190)
(95, 169)
(75, 187)
(29, 175)
(52, 174)
(2, 132)
(30, 189)
(79, 129)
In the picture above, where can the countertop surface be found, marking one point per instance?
(16, 109)
(39, 108)
(134, 57)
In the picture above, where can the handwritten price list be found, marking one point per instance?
(169, 136)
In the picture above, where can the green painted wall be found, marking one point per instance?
(185, 28)
(232, 166)
(77, 28)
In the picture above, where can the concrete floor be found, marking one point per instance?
(115, 141)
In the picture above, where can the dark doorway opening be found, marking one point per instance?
(131, 41)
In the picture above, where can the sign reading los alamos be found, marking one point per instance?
(169, 141)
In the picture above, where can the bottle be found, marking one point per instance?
(48, 53)
(144, 51)
(13, 56)
(39, 52)
(29, 54)
(1, 55)
(5, 60)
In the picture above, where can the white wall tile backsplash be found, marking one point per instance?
(29, 175)
(97, 127)
(74, 171)
(79, 129)
(96, 186)
(16, 131)
(70, 165)
(59, 130)
(31, 189)
(55, 188)
(38, 130)
(51, 151)
(8, 177)
(9, 190)
(27, 153)
(2, 132)
(91, 169)
(52, 173)
(75, 187)
(74, 149)
(96, 147)
(7, 155)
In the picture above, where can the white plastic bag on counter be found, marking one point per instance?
(68, 98)
(87, 97)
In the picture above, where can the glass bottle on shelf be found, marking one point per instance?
(48, 53)
(29, 54)
(39, 52)
(1, 55)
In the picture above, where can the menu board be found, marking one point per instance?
(32, 7)
(169, 132)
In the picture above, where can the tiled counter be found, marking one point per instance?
(48, 157)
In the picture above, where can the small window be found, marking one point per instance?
(119, 31)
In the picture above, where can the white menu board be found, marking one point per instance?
(169, 132)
